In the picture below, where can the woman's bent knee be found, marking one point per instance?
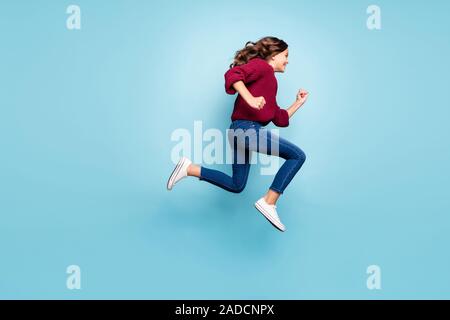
(238, 188)
(300, 155)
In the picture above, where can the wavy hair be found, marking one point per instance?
(263, 48)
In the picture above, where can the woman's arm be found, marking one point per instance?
(302, 96)
(259, 102)
(256, 103)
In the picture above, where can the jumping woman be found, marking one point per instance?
(252, 75)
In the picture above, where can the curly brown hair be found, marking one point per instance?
(263, 48)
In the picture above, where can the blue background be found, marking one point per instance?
(85, 124)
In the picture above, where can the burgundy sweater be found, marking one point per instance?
(259, 78)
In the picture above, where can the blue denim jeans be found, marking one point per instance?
(252, 136)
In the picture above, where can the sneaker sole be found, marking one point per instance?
(175, 173)
(268, 217)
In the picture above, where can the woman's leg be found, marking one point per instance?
(295, 157)
(271, 196)
(237, 182)
(193, 170)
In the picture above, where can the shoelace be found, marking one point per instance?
(275, 211)
(272, 205)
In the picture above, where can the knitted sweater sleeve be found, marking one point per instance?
(281, 118)
(248, 72)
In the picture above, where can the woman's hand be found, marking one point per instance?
(302, 96)
(256, 102)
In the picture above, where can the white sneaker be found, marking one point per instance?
(179, 172)
(269, 211)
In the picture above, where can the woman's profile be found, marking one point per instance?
(252, 76)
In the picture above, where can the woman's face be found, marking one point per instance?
(279, 61)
